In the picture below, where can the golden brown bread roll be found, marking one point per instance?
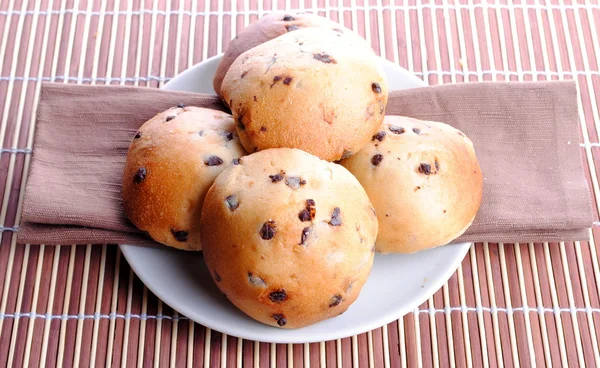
(313, 89)
(266, 28)
(172, 161)
(423, 179)
(288, 238)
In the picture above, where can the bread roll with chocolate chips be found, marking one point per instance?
(288, 238)
(172, 161)
(313, 89)
(423, 179)
(267, 28)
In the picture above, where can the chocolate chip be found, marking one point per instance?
(425, 169)
(180, 105)
(294, 182)
(180, 235)
(256, 281)
(244, 74)
(335, 300)
(376, 87)
(417, 188)
(277, 177)
(324, 58)
(396, 129)
(140, 175)
(217, 277)
(281, 321)
(213, 161)
(240, 124)
(227, 135)
(379, 136)
(305, 233)
(336, 219)
(287, 81)
(169, 118)
(276, 79)
(416, 131)
(291, 28)
(309, 212)
(346, 154)
(232, 202)
(288, 18)
(263, 129)
(376, 160)
(235, 161)
(201, 133)
(255, 99)
(267, 231)
(138, 135)
(278, 296)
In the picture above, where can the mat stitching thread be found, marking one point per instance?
(98, 316)
(308, 10)
(424, 74)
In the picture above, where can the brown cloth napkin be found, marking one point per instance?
(525, 135)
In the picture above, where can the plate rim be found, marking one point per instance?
(461, 251)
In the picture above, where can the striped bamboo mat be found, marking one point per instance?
(507, 305)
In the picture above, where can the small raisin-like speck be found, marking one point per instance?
(267, 231)
(396, 129)
(227, 135)
(376, 87)
(379, 136)
(263, 129)
(336, 219)
(140, 175)
(138, 135)
(278, 296)
(287, 81)
(179, 235)
(180, 105)
(232, 202)
(244, 74)
(305, 233)
(324, 58)
(416, 131)
(335, 300)
(213, 161)
(294, 182)
(288, 18)
(425, 169)
(169, 118)
(291, 28)
(235, 161)
(376, 160)
(277, 177)
(280, 318)
(256, 281)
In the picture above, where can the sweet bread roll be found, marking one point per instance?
(266, 28)
(288, 238)
(424, 180)
(172, 161)
(313, 89)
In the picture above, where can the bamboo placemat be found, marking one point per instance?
(507, 305)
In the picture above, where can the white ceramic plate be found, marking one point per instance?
(397, 283)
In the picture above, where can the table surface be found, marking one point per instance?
(512, 305)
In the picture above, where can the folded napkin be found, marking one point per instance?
(525, 135)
